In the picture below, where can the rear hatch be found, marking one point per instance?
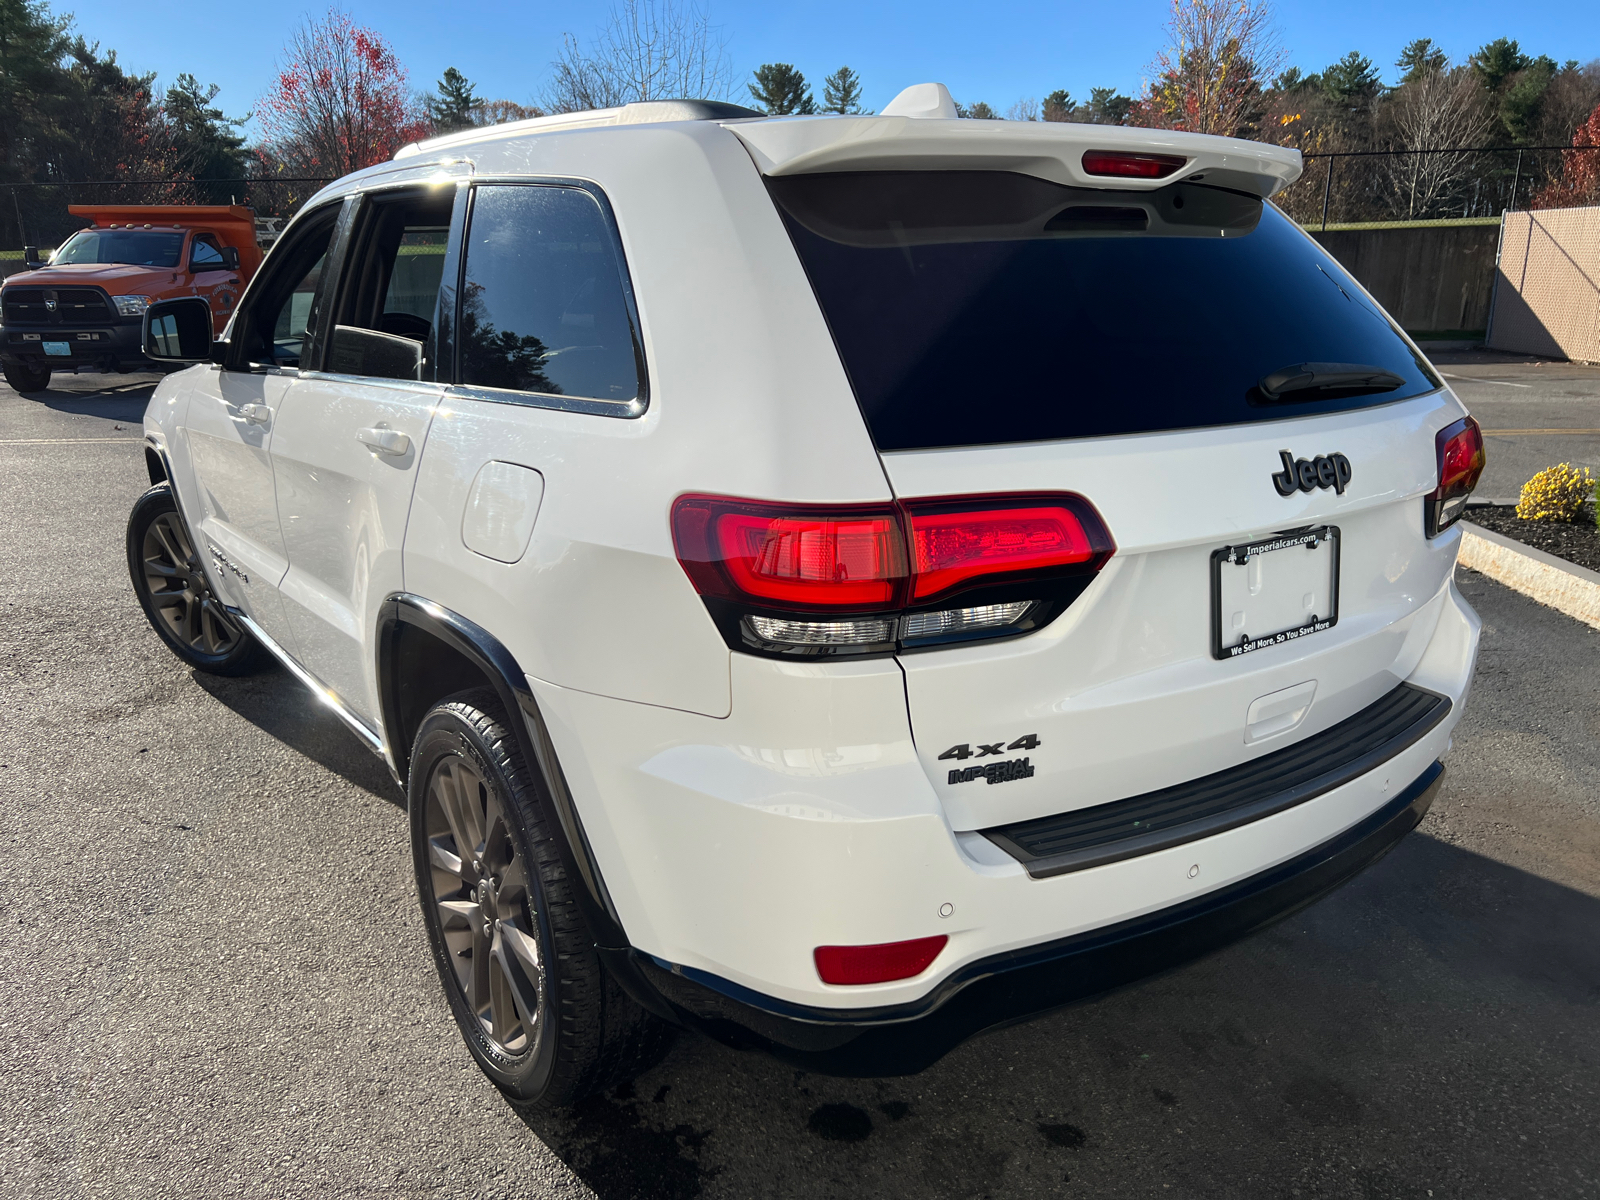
(1256, 435)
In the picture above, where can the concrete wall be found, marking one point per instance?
(1429, 277)
(1548, 298)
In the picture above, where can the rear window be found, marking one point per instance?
(980, 307)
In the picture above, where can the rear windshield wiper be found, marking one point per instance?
(1348, 379)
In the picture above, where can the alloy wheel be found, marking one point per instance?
(485, 906)
(180, 593)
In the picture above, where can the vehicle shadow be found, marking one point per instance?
(1432, 1025)
(121, 398)
(281, 706)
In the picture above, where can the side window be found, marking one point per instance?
(544, 306)
(384, 318)
(282, 313)
(206, 254)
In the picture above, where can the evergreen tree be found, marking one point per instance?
(32, 43)
(207, 141)
(1108, 107)
(1352, 78)
(780, 91)
(1057, 106)
(841, 92)
(455, 104)
(1495, 60)
(1420, 58)
(981, 111)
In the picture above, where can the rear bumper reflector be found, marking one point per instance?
(1108, 833)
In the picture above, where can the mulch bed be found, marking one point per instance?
(1577, 542)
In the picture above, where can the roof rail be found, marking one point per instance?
(639, 113)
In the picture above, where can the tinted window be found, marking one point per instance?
(281, 316)
(544, 308)
(137, 248)
(205, 254)
(974, 308)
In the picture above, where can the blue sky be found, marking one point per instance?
(998, 51)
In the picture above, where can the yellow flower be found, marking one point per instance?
(1556, 493)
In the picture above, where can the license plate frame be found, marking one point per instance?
(1240, 555)
(57, 349)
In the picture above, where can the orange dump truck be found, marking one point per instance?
(84, 309)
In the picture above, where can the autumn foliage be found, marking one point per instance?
(1580, 171)
(341, 101)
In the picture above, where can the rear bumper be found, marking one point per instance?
(107, 347)
(1012, 986)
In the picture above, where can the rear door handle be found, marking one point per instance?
(256, 414)
(384, 441)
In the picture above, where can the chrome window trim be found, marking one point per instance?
(624, 409)
(428, 386)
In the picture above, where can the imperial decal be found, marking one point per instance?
(996, 772)
(1323, 471)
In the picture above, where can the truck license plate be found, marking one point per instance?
(58, 349)
(1277, 590)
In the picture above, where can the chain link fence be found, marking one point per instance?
(1447, 182)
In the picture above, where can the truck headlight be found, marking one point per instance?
(131, 306)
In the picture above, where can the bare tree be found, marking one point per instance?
(1208, 79)
(1438, 109)
(648, 50)
(1026, 109)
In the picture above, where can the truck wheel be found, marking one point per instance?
(177, 598)
(26, 379)
(539, 1013)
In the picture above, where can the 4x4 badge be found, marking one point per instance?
(1324, 471)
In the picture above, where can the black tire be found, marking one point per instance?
(26, 379)
(170, 581)
(546, 1022)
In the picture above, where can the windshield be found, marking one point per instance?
(980, 307)
(136, 247)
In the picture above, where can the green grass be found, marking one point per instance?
(1445, 223)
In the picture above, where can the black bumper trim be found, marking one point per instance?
(1019, 984)
(1106, 833)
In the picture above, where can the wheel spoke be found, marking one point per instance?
(191, 620)
(478, 987)
(155, 566)
(514, 884)
(517, 956)
(469, 912)
(443, 859)
(504, 1019)
(452, 786)
(168, 599)
(164, 536)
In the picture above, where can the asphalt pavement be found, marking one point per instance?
(214, 979)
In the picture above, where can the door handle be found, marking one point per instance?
(256, 414)
(384, 441)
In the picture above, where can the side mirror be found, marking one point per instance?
(230, 257)
(30, 257)
(178, 331)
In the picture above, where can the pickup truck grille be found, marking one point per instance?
(1106, 833)
(56, 306)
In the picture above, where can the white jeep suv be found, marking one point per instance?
(835, 583)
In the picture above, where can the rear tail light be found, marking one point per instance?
(1130, 165)
(1459, 449)
(877, 964)
(801, 580)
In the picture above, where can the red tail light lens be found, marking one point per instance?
(907, 575)
(1461, 457)
(955, 543)
(877, 964)
(1130, 165)
(791, 556)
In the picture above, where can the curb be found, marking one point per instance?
(1552, 581)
